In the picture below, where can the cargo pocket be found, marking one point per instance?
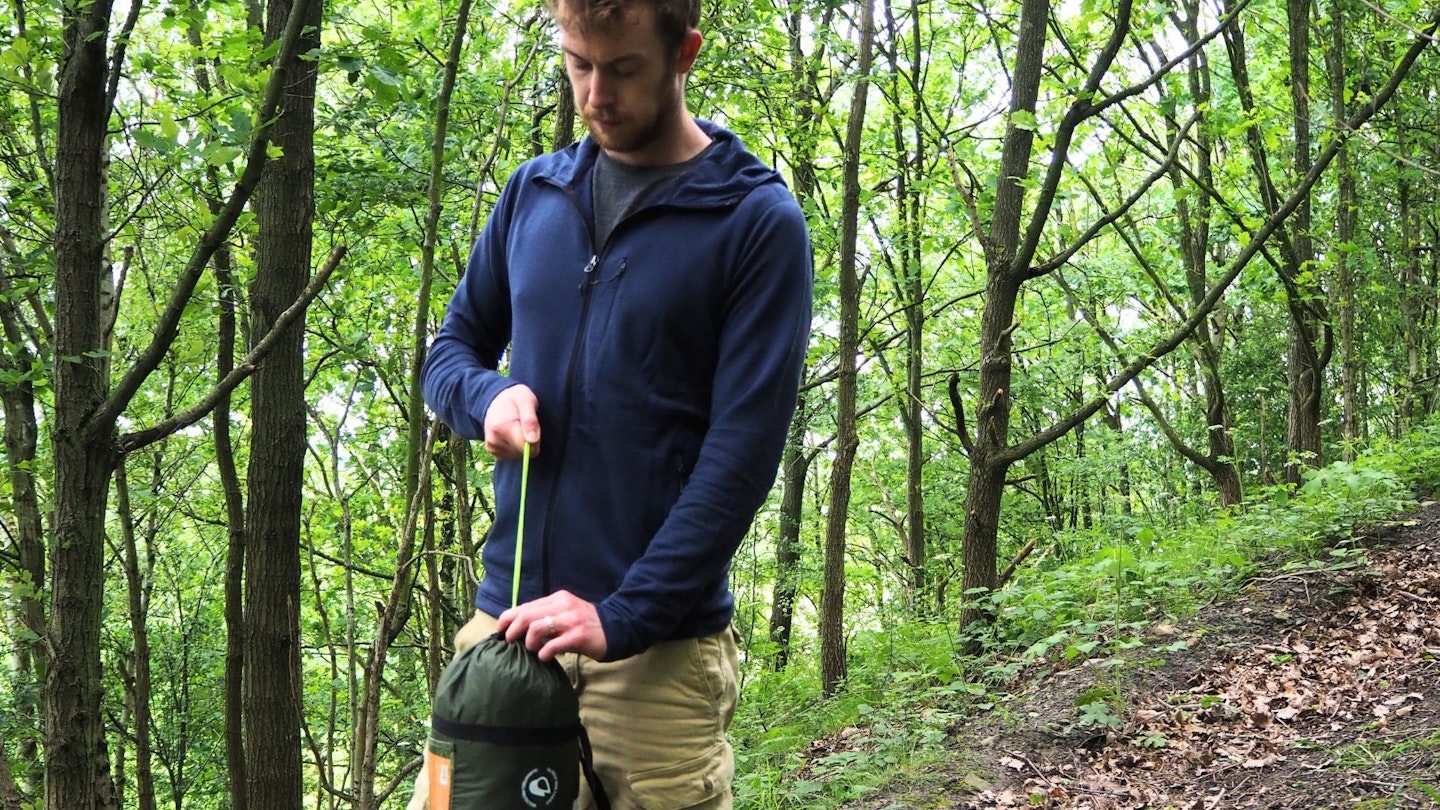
(687, 784)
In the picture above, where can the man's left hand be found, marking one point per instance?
(550, 625)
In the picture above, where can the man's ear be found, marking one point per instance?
(689, 49)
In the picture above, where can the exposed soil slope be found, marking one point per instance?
(1309, 690)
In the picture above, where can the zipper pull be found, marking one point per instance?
(589, 272)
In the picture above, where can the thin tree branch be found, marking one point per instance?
(1085, 108)
(130, 442)
(1122, 378)
(168, 327)
(1064, 136)
(1116, 213)
(1161, 71)
(117, 60)
(1019, 558)
(957, 402)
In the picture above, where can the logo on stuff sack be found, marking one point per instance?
(540, 787)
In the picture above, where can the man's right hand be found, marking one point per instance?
(510, 421)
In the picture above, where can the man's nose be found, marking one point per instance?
(600, 90)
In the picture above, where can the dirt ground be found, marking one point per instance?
(1312, 689)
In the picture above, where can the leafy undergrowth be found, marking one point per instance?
(1283, 654)
(1317, 687)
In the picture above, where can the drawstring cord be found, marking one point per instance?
(520, 527)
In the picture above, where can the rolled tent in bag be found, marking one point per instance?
(504, 732)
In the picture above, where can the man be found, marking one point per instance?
(653, 286)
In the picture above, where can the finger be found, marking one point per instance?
(516, 421)
(563, 640)
(538, 635)
(503, 436)
(528, 420)
(504, 622)
(519, 625)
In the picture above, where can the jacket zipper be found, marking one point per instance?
(587, 283)
(589, 277)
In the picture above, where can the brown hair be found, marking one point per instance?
(672, 17)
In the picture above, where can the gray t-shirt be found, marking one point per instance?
(619, 188)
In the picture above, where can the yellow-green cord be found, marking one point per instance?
(520, 526)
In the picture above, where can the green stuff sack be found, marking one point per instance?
(505, 732)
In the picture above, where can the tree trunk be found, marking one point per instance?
(795, 466)
(435, 594)
(1346, 209)
(21, 433)
(910, 292)
(989, 459)
(1208, 340)
(794, 469)
(396, 610)
(564, 111)
(1412, 306)
(10, 797)
(464, 534)
(284, 211)
(1431, 331)
(833, 667)
(1304, 365)
(235, 543)
(227, 295)
(77, 765)
(1307, 352)
(138, 593)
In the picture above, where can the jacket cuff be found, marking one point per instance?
(620, 639)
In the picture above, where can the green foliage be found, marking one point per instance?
(901, 698)
(1415, 459)
(910, 687)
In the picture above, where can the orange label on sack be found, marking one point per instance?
(441, 772)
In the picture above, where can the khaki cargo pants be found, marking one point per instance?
(656, 721)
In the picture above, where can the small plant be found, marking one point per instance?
(1099, 714)
(1156, 740)
(1097, 709)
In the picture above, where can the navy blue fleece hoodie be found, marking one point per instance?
(666, 364)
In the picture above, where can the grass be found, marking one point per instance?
(1374, 753)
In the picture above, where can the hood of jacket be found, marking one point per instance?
(727, 174)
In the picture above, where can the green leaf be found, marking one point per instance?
(152, 139)
(222, 154)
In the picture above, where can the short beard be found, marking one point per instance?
(652, 131)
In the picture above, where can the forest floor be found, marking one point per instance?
(1309, 689)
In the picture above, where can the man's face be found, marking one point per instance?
(627, 87)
